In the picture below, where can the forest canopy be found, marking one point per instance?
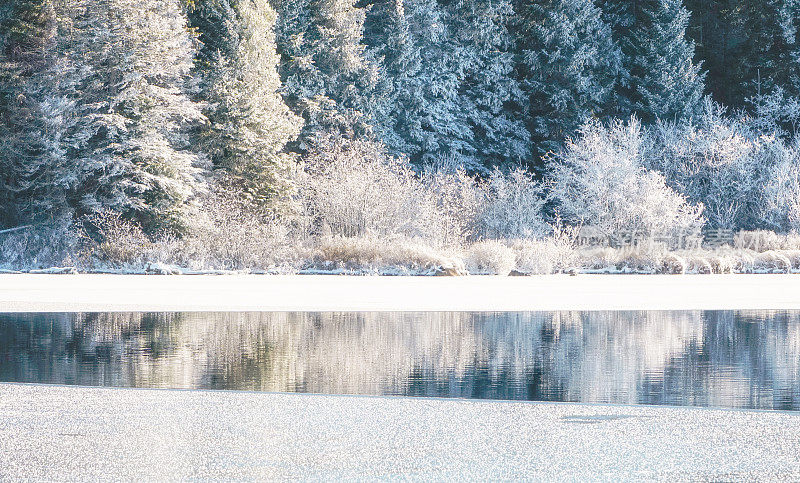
(498, 119)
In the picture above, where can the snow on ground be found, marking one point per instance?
(54, 293)
(68, 433)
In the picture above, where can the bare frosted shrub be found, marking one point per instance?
(543, 256)
(490, 257)
(113, 241)
(514, 206)
(458, 201)
(228, 233)
(387, 255)
(234, 234)
(41, 246)
(765, 240)
(355, 188)
(782, 190)
(599, 180)
(776, 112)
(772, 262)
(717, 161)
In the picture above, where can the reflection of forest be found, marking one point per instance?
(711, 358)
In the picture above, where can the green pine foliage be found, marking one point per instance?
(32, 174)
(666, 82)
(489, 91)
(328, 78)
(569, 65)
(249, 125)
(131, 88)
(422, 116)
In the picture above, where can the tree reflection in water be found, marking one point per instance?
(729, 359)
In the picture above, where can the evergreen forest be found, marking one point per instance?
(398, 136)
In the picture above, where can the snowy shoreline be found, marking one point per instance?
(121, 293)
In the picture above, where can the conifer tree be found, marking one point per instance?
(774, 95)
(33, 175)
(788, 73)
(569, 64)
(132, 108)
(623, 17)
(489, 91)
(743, 44)
(249, 124)
(667, 83)
(424, 115)
(327, 76)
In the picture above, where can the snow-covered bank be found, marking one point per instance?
(57, 293)
(71, 433)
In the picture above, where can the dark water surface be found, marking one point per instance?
(724, 359)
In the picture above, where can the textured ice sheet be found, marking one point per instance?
(59, 293)
(70, 433)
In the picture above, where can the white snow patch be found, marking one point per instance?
(53, 293)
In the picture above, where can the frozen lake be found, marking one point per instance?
(60, 433)
(728, 359)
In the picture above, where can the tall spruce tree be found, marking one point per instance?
(666, 82)
(569, 64)
(249, 124)
(129, 83)
(327, 76)
(422, 115)
(743, 44)
(33, 176)
(788, 73)
(624, 17)
(774, 96)
(489, 91)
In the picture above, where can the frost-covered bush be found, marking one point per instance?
(776, 112)
(42, 246)
(716, 161)
(392, 255)
(765, 240)
(355, 188)
(228, 233)
(599, 180)
(514, 206)
(458, 199)
(781, 197)
(109, 240)
(234, 234)
(490, 257)
(553, 254)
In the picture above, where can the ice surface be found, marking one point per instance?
(70, 433)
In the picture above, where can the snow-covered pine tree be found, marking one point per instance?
(569, 65)
(249, 124)
(131, 68)
(489, 91)
(621, 15)
(775, 102)
(422, 117)
(743, 45)
(390, 43)
(789, 15)
(327, 76)
(666, 82)
(33, 175)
